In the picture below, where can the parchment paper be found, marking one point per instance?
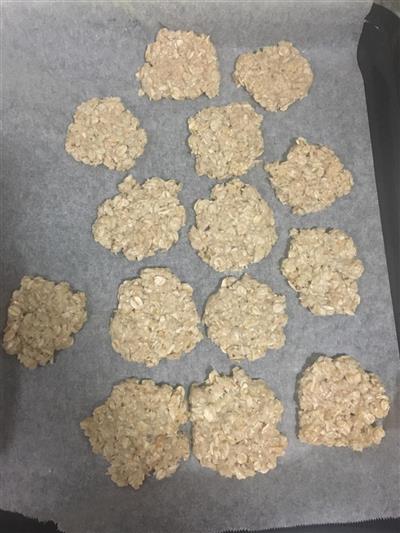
(56, 55)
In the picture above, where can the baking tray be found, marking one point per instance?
(52, 63)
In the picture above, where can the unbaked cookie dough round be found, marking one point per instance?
(42, 318)
(104, 132)
(234, 228)
(156, 318)
(245, 318)
(179, 65)
(226, 140)
(142, 219)
(322, 267)
(340, 404)
(311, 178)
(138, 431)
(234, 425)
(276, 76)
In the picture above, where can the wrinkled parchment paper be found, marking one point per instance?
(56, 55)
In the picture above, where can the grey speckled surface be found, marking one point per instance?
(57, 55)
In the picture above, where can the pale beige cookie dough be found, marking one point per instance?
(42, 318)
(138, 431)
(322, 267)
(276, 76)
(245, 318)
(156, 318)
(234, 425)
(234, 228)
(179, 65)
(142, 219)
(340, 404)
(226, 140)
(104, 132)
(311, 178)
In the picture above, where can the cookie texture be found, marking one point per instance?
(245, 318)
(276, 76)
(311, 178)
(234, 425)
(138, 431)
(234, 228)
(42, 318)
(105, 133)
(156, 318)
(179, 65)
(322, 267)
(142, 219)
(226, 140)
(340, 404)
